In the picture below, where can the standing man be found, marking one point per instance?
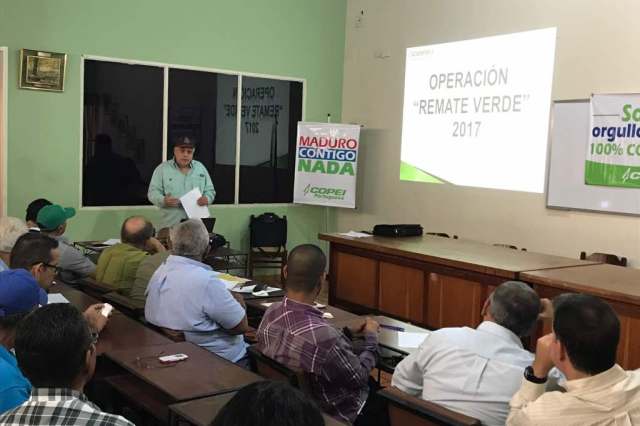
(174, 178)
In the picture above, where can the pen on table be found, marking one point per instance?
(391, 327)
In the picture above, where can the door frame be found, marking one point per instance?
(4, 132)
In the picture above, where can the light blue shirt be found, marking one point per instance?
(3, 266)
(185, 295)
(168, 179)
(14, 387)
(471, 371)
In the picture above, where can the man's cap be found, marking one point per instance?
(50, 217)
(184, 141)
(19, 292)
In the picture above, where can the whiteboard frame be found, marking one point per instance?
(549, 167)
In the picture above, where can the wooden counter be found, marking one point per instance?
(432, 281)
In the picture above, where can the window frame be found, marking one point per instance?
(165, 121)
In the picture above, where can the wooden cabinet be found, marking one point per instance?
(354, 279)
(402, 292)
(453, 302)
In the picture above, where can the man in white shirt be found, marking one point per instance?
(476, 371)
(185, 295)
(583, 347)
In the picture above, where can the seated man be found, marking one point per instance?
(52, 221)
(56, 351)
(295, 334)
(117, 265)
(34, 259)
(145, 271)
(476, 371)
(184, 295)
(583, 346)
(32, 213)
(10, 229)
(289, 407)
(19, 297)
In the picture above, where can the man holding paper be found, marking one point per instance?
(176, 178)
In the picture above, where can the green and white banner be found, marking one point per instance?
(326, 164)
(613, 153)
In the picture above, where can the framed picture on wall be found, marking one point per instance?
(42, 70)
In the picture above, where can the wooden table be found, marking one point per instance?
(203, 374)
(430, 281)
(617, 285)
(201, 412)
(121, 332)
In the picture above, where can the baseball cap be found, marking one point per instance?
(50, 217)
(19, 292)
(184, 141)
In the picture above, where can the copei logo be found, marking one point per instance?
(629, 175)
(325, 192)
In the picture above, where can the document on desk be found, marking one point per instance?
(190, 205)
(56, 298)
(411, 340)
(111, 242)
(354, 234)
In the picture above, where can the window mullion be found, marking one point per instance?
(238, 132)
(165, 113)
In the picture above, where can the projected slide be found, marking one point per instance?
(476, 112)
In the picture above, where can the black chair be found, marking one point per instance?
(611, 259)
(441, 234)
(267, 243)
(508, 246)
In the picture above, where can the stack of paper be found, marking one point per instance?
(355, 234)
(190, 205)
(411, 340)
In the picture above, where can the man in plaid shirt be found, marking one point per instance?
(56, 352)
(294, 333)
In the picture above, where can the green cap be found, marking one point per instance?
(50, 217)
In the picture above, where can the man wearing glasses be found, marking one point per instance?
(34, 261)
(34, 257)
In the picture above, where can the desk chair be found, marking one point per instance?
(267, 243)
(125, 305)
(407, 410)
(150, 405)
(509, 246)
(611, 259)
(270, 368)
(174, 335)
(441, 234)
(94, 288)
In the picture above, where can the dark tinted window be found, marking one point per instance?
(202, 105)
(271, 110)
(122, 137)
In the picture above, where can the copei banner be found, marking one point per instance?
(613, 153)
(326, 164)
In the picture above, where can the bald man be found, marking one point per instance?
(117, 265)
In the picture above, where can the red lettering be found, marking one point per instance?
(304, 141)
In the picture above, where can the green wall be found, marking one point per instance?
(296, 38)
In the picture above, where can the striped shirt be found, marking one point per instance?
(296, 335)
(611, 398)
(57, 406)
